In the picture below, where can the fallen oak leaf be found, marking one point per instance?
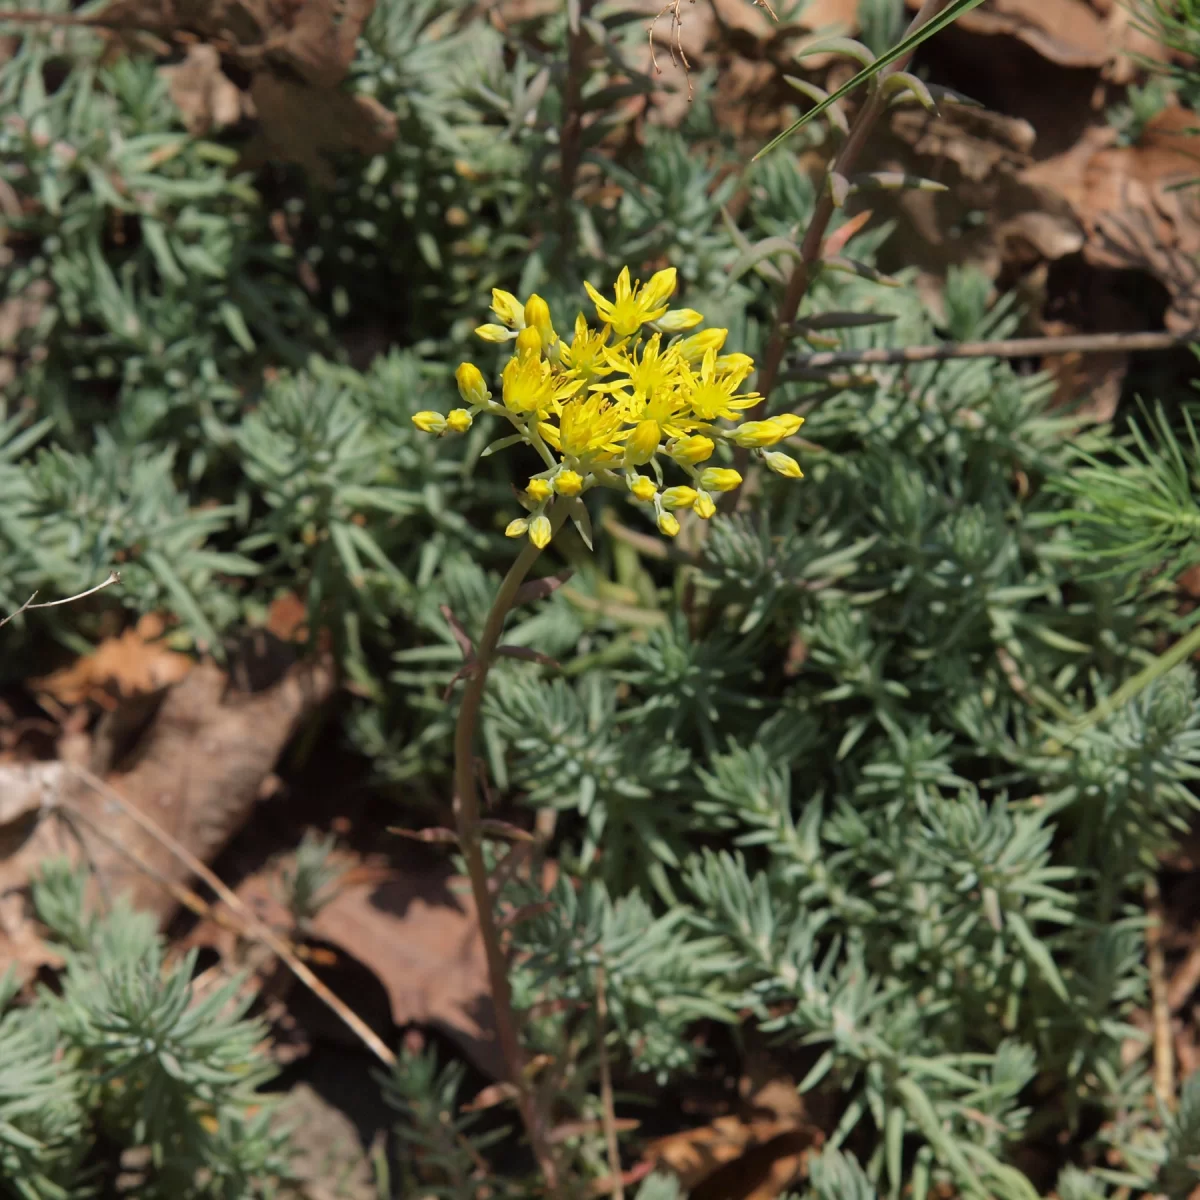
(136, 663)
(206, 97)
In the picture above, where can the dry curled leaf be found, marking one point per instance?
(206, 97)
(753, 1154)
(303, 126)
(133, 664)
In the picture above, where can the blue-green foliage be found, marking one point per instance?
(821, 768)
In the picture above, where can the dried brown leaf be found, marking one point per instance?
(133, 664)
(302, 126)
(205, 96)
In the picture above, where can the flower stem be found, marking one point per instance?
(814, 237)
(471, 843)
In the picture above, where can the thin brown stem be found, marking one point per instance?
(259, 929)
(1036, 347)
(1160, 1010)
(606, 1090)
(470, 840)
(814, 237)
(571, 135)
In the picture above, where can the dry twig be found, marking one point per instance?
(814, 237)
(255, 927)
(1037, 347)
(113, 577)
(606, 1090)
(1160, 1011)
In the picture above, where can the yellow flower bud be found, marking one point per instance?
(529, 343)
(758, 433)
(704, 506)
(458, 420)
(516, 528)
(695, 347)
(508, 308)
(643, 488)
(667, 524)
(471, 386)
(538, 490)
(719, 479)
(679, 497)
(537, 315)
(494, 333)
(693, 449)
(642, 443)
(660, 288)
(679, 319)
(783, 464)
(728, 364)
(733, 368)
(429, 422)
(568, 483)
(788, 422)
(540, 532)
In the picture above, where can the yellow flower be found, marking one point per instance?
(679, 497)
(588, 428)
(529, 343)
(537, 316)
(642, 487)
(719, 479)
(429, 422)
(788, 422)
(494, 333)
(458, 420)
(759, 433)
(655, 371)
(540, 532)
(642, 443)
(531, 386)
(585, 356)
(679, 319)
(667, 524)
(568, 483)
(516, 528)
(716, 396)
(691, 450)
(734, 366)
(471, 386)
(783, 464)
(633, 306)
(704, 507)
(508, 308)
(693, 349)
(538, 490)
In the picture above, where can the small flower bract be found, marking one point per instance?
(621, 394)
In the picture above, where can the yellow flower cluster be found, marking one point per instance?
(610, 402)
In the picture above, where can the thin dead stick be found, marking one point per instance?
(1160, 1011)
(1186, 978)
(606, 1090)
(814, 237)
(263, 932)
(113, 577)
(1083, 343)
